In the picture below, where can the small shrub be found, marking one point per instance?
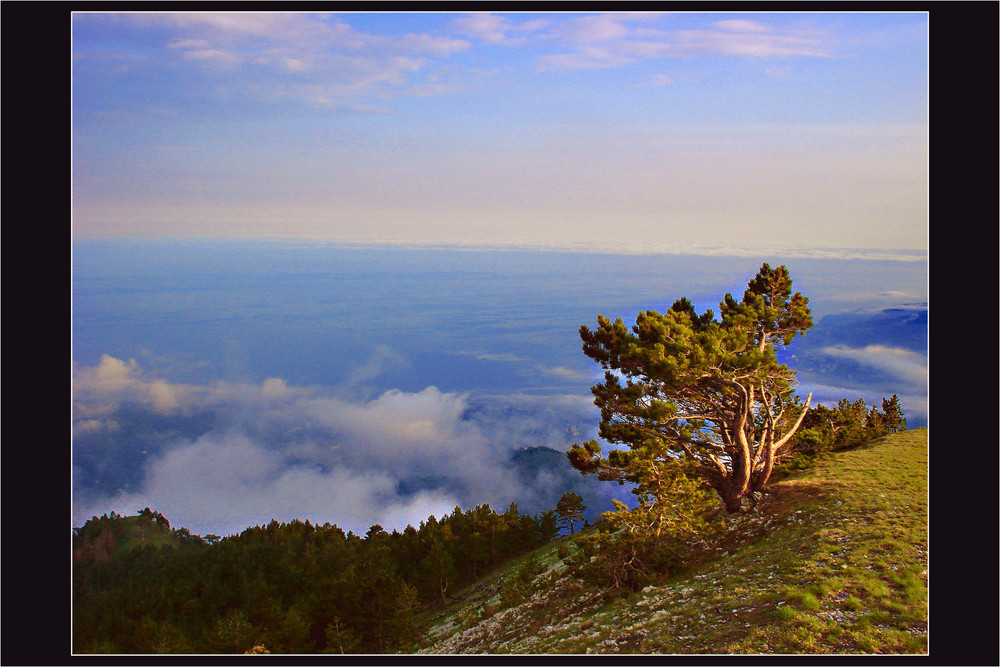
(805, 600)
(876, 588)
(518, 588)
(822, 588)
(914, 644)
(867, 642)
(786, 613)
(256, 650)
(635, 546)
(914, 590)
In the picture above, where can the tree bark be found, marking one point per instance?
(733, 501)
(772, 449)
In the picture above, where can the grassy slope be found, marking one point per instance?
(835, 563)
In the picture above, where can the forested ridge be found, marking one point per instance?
(140, 586)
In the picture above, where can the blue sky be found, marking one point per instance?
(629, 132)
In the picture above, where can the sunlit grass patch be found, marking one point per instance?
(853, 603)
(875, 588)
(786, 613)
(838, 570)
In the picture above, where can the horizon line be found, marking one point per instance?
(846, 253)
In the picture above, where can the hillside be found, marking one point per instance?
(103, 538)
(834, 561)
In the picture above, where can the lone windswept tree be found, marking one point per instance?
(686, 390)
(570, 509)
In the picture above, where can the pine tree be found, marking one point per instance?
(708, 391)
(892, 415)
(436, 570)
(340, 638)
(570, 509)
(233, 633)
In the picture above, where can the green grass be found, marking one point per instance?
(836, 564)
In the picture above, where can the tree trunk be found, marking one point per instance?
(772, 449)
(732, 501)
(443, 586)
(765, 473)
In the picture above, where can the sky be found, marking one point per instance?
(635, 132)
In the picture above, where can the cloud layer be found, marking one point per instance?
(324, 61)
(255, 381)
(870, 354)
(277, 451)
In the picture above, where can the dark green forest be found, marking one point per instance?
(140, 586)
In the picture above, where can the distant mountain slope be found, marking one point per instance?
(550, 474)
(545, 474)
(836, 562)
(903, 327)
(871, 354)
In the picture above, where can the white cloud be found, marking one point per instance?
(611, 40)
(275, 387)
(315, 59)
(98, 390)
(110, 374)
(214, 56)
(493, 356)
(165, 397)
(224, 483)
(384, 359)
(598, 28)
(741, 25)
(496, 29)
(404, 433)
(83, 426)
(438, 46)
(416, 509)
(565, 373)
(280, 27)
(904, 364)
(189, 44)
(285, 452)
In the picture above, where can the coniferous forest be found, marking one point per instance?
(140, 586)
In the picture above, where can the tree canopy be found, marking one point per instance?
(686, 389)
(570, 509)
(281, 588)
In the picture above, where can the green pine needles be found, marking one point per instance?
(686, 392)
(634, 546)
